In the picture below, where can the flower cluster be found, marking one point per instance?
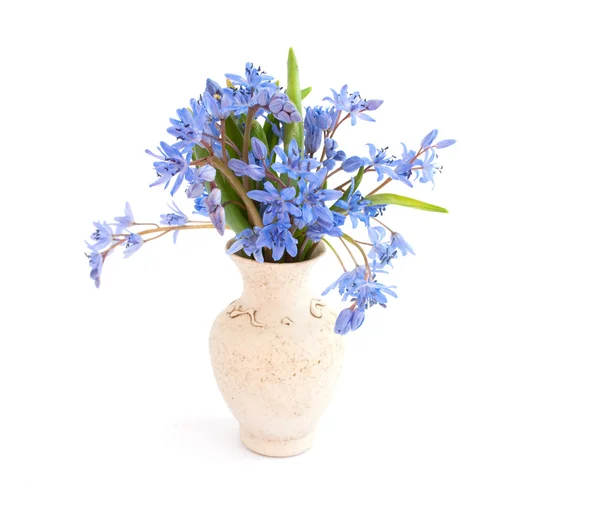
(253, 160)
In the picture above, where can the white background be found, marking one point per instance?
(478, 388)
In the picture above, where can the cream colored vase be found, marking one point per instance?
(276, 357)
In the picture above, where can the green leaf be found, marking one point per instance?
(257, 131)
(305, 92)
(233, 132)
(294, 130)
(391, 199)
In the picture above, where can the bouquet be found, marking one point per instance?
(252, 159)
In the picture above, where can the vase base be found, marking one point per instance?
(277, 447)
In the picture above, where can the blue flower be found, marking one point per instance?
(398, 243)
(349, 319)
(255, 79)
(403, 167)
(353, 104)
(348, 280)
(132, 244)
(332, 154)
(126, 221)
(317, 120)
(177, 217)
(294, 164)
(172, 163)
(382, 253)
(278, 204)
(324, 227)
(188, 129)
(359, 208)
(103, 236)
(210, 205)
(255, 172)
(429, 167)
(219, 105)
(311, 200)
(95, 260)
(277, 237)
(369, 293)
(199, 176)
(379, 161)
(259, 149)
(246, 240)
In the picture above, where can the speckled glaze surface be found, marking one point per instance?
(276, 357)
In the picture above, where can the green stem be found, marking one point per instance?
(335, 253)
(362, 252)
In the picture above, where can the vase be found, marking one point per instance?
(275, 355)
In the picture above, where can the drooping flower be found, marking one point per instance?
(353, 104)
(382, 253)
(278, 203)
(246, 240)
(95, 260)
(277, 237)
(188, 128)
(123, 222)
(255, 172)
(172, 163)
(200, 175)
(349, 319)
(177, 217)
(369, 293)
(210, 205)
(103, 236)
(399, 243)
(348, 280)
(132, 244)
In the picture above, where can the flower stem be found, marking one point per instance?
(335, 253)
(384, 225)
(253, 214)
(362, 252)
(349, 251)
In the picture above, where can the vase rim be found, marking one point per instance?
(317, 254)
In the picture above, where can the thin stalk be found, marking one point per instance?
(349, 251)
(253, 214)
(384, 225)
(362, 252)
(335, 253)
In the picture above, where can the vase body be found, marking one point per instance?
(276, 357)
